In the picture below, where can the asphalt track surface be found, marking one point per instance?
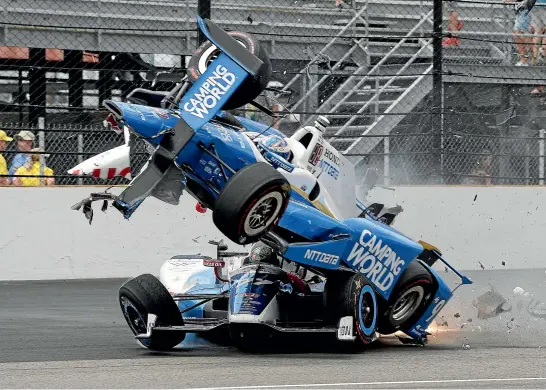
(71, 334)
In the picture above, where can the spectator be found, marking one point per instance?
(453, 25)
(24, 140)
(522, 25)
(481, 173)
(4, 139)
(32, 167)
(539, 48)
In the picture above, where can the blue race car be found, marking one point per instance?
(292, 198)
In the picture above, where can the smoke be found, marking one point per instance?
(396, 166)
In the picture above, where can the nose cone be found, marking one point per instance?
(144, 120)
(106, 165)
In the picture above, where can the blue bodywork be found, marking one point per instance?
(378, 251)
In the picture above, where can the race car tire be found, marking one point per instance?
(408, 300)
(251, 203)
(252, 86)
(350, 294)
(146, 294)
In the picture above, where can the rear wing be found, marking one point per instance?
(230, 46)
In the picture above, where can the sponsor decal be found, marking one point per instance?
(279, 163)
(331, 156)
(240, 139)
(210, 92)
(314, 158)
(439, 304)
(321, 257)
(161, 113)
(105, 173)
(345, 329)
(329, 169)
(375, 260)
(213, 263)
(226, 136)
(250, 295)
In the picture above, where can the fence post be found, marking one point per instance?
(80, 157)
(386, 161)
(37, 82)
(203, 10)
(541, 158)
(41, 144)
(76, 83)
(437, 83)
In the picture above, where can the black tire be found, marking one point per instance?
(245, 195)
(346, 294)
(252, 86)
(146, 294)
(408, 300)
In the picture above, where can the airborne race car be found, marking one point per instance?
(376, 280)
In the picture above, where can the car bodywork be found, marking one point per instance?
(326, 231)
(210, 303)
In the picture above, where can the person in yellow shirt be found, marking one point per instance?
(4, 139)
(33, 168)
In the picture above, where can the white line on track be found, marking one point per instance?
(314, 385)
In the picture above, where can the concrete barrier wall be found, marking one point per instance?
(42, 238)
(473, 225)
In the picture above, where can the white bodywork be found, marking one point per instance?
(107, 165)
(315, 159)
(181, 273)
(335, 173)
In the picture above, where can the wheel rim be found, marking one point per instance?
(210, 55)
(263, 213)
(367, 311)
(132, 315)
(406, 305)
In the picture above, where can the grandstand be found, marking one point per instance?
(368, 64)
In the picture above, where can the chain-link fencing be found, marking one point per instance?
(426, 91)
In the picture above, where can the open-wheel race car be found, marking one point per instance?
(292, 198)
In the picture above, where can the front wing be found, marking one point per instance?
(442, 296)
(205, 325)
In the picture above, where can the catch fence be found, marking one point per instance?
(427, 92)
